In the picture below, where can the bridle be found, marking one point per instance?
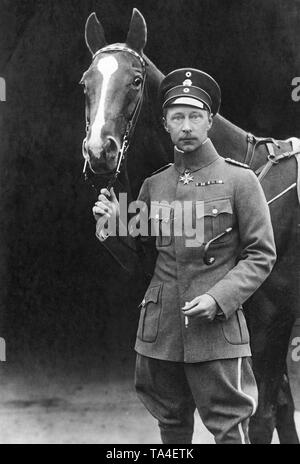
(129, 128)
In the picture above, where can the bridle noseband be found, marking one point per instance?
(130, 125)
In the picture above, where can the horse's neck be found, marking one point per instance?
(160, 143)
(229, 140)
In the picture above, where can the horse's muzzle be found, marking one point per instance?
(104, 159)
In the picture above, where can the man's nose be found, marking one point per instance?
(186, 127)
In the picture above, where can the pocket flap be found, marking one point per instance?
(152, 294)
(215, 207)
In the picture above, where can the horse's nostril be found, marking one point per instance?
(111, 146)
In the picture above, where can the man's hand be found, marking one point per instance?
(202, 307)
(107, 205)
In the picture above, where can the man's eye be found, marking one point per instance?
(196, 117)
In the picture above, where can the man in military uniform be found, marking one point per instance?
(192, 342)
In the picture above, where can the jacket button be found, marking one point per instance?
(215, 211)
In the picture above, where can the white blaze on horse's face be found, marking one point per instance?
(113, 87)
(106, 66)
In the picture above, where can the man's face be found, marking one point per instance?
(188, 126)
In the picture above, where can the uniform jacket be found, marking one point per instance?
(230, 196)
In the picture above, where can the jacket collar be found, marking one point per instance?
(198, 159)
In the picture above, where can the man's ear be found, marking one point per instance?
(210, 121)
(164, 123)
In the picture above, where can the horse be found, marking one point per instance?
(121, 88)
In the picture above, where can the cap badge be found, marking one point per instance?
(187, 82)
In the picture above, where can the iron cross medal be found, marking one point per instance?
(186, 178)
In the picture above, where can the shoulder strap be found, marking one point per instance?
(237, 163)
(162, 168)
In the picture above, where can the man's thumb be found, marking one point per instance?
(113, 195)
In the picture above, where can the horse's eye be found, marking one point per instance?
(137, 81)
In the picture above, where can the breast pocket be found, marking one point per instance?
(150, 314)
(218, 216)
(162, 217)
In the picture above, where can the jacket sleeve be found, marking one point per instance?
(258, 252)
(126, 250)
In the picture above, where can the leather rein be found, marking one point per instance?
(129, 131)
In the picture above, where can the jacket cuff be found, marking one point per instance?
(227, 303)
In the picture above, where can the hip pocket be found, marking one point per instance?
(150, 314)
(235, 329)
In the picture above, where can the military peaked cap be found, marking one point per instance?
(188, 86)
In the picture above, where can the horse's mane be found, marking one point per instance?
(153, 72)
(152, 148)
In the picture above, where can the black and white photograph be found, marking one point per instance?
(150, 224)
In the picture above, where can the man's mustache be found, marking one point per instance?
(187, 137)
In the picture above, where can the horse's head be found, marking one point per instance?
(113, 86)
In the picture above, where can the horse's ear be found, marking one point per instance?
(137, 34)
(94, 34)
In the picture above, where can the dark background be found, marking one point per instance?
(64, 302)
